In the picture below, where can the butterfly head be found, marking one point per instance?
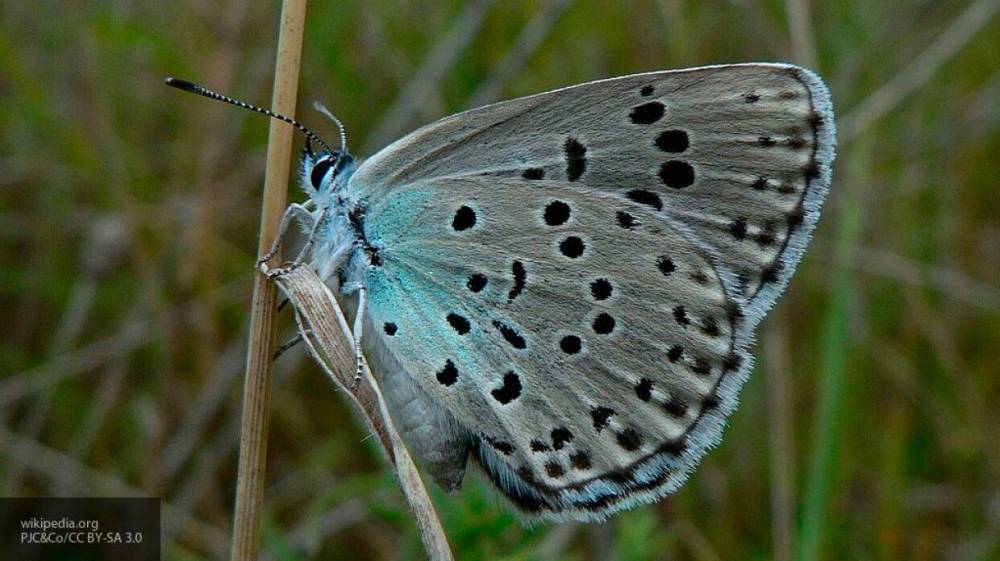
(325, 171)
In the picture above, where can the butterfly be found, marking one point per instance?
(564, 287)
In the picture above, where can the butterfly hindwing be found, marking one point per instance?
(575, 348)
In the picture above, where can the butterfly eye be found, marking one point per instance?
(319, 171)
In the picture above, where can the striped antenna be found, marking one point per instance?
(340, 126)
(202, 91)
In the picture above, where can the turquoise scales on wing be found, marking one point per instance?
(565, 285)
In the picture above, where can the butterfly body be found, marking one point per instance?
(566, 285)
(348, 251)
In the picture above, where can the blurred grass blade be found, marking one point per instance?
(441, 59)
(919, 72)
(835, 346)
(531, 38)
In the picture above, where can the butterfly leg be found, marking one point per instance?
(294, 211)
(359, 321)
(289, 344)
(312, 237)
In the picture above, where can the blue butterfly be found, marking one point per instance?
(564, 286)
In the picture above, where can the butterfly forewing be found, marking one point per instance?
(739, 154)
(575, 276)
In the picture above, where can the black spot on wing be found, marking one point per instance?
(510, 390)
(675, 407)
(560, 437)
(701, 367)
(533, 174)
(787, 188)
(570, 344)
(629, 439)
(601, 416)
(465, 218)
(601, 289)
(459, 323)
(580, 460)
(539, 446)
(647, 113)
(734, 313)
(644, 389)
(731, 362)
(645, 197)
(795, 218)
(572, 247)
(448, 375)
(738, 228)
(511, 335)
(766, 236)
(556, 213)
(626, 220)
(710, 327)
(675, 447)
(772, 272)
(520, 277)
(672, 141)
(665, 265)
(525, 473)
(677, 174)
(476, 282)
(576, 158)
(680, 316)
(604, 324)
(504, 448)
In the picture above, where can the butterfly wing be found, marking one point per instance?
(575, 276)
(739, 154)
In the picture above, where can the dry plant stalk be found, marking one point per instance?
(257, 389)
(323, 329)
(328, 338)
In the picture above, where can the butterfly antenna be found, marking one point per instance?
(205, 92)
(329, 115)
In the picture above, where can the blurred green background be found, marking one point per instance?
(129, 211)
